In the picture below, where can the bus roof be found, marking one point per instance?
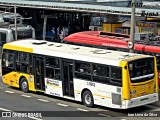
(96, 35)
(8, 27)
(112, 40)
(67, 51)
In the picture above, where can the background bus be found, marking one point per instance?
(7, 33)
(115, 41)
(93, 76)
(10, 17)
(7, 28)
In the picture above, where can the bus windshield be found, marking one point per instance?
(23, 34)
(2, 38)
(141, 71)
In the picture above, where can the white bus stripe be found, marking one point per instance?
(27, 96)
(64, 105)
(9, 91)
(43, 100)
(82, 109)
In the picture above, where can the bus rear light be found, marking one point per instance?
(131, 95)
(154, 89)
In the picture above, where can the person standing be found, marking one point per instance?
(53, 34)
(61, 35)
(65, 32)
(58, 32)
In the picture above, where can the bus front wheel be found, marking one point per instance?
(88, 99)
(24, 85)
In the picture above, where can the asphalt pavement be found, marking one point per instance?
(13, 102)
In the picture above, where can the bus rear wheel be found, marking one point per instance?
(24, 85)
(88, 99)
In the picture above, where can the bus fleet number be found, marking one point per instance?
(91, 84)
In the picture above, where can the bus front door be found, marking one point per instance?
(39, 73)
(68, 89)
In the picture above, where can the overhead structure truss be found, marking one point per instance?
(78, 7)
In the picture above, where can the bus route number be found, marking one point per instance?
(91, 84)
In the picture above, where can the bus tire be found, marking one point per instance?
(88, 99)
(24, 85)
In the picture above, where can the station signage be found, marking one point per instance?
(145, 13)
(130, 45)
(137, 4)
(145, 24)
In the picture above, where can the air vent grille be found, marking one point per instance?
(39, 43)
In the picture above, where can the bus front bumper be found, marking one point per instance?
(143, 100)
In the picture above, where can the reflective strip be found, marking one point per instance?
(144, 76)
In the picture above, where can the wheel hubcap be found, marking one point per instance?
(88, 99)
(24, 85)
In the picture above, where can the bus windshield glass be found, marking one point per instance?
(2, 38)
(141, 70)
(23, 34)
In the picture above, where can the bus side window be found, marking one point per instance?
(116, 75)
(8, 59)
(52, 68)
(23, 62)
(100, 73)
(83, 70)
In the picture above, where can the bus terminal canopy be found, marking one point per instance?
(64, 6)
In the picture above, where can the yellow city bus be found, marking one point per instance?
(107, 78)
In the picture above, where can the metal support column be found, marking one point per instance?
(15, 21)
(132, 29)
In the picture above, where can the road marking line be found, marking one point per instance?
(27, 96)
(101, 114)
(43, 100)
(4, 109)
(64, 105)
(9, 92)
(82, 109)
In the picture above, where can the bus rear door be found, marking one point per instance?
(67, 75)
